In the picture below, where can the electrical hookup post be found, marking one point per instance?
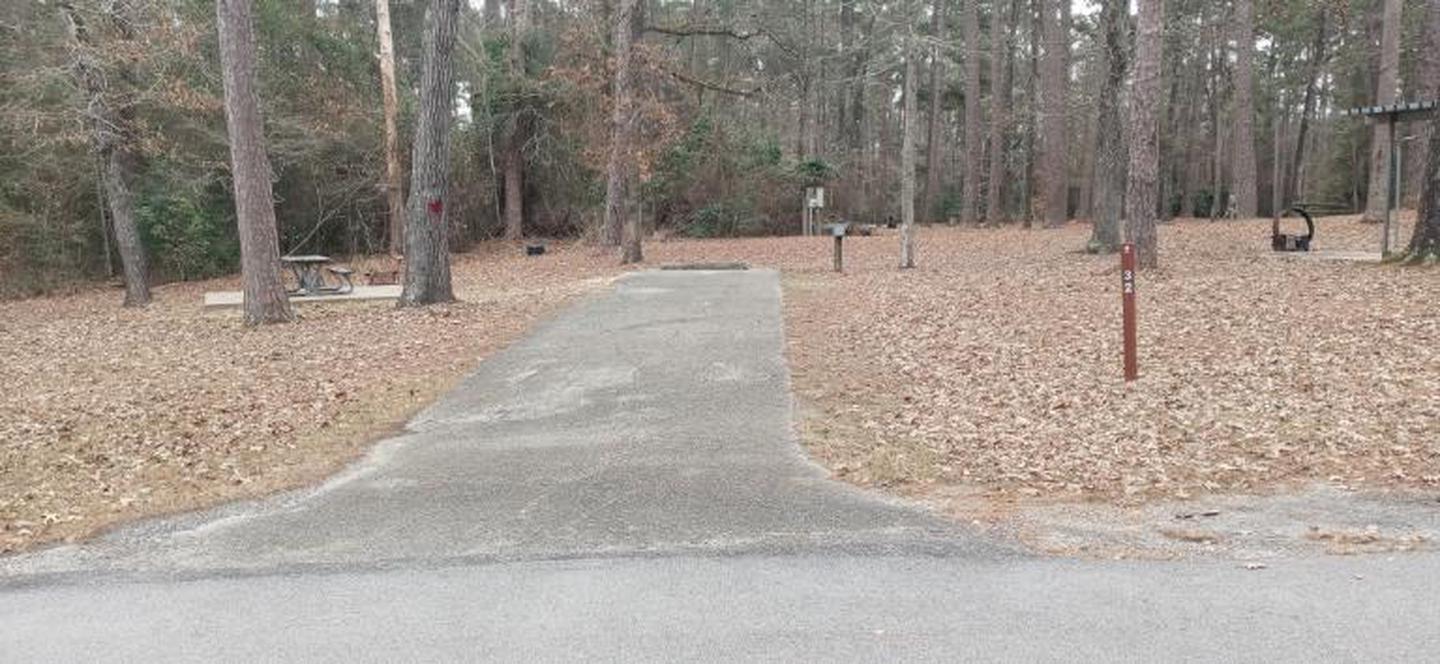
(814, 202)
(1127, 294)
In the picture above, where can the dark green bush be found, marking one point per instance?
(814, 172)
(189, 237)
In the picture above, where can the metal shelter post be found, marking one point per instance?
(1392, 116)
(1392, 197)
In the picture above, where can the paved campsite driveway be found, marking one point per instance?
(624, 485)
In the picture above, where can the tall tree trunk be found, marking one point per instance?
(1312, 84)
(1170, 118)
(1002, 67)
(847, 47)
(933, 140)
(513, 167)
(1217, 163)
(863, 122)
(974, 140)
(1089, 150)
(1187, 127)
(804, 148)
(619, 169)
(427, 237)
(907, 155)
(853, 131)
(394, 188)
(134, 262)
(1386, 83)
(1243, 168)
(1055, 87)
(1144, 142)
(1110, 142)
(1031, 200)
(1429, 88)
(1425, 243)
(513, 161)
(112, 127)
(882, 136)
(1218, 60)
(264, 292)
(1277, 162)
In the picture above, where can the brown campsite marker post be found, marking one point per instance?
(1127, 289)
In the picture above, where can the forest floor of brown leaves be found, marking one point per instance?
(985, 382)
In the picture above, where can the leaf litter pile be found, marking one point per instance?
(994, 365)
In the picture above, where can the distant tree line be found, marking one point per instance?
(607, 119)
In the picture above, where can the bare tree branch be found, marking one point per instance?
(702, 31)
(714, 87)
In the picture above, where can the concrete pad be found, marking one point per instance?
(706, 266)
(653, 418)
(225, 299)
(1338, 256)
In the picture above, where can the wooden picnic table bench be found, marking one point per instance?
(309, 271)
(1322, 208)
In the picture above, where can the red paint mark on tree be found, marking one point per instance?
(436, 207)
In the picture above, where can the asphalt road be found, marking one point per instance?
(624, 485)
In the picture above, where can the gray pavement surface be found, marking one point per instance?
(624, 485)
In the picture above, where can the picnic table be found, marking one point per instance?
(310, 272)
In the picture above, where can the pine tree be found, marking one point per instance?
(907, 153)
(1054, 92)
(974, 137)
(265, 299)
(514, 157)
(619, 169)
(394, 193)
(1111, 167)
(1387, 81)
(110, 122)
(1142, 192)
(1243, 168)
(427, 244)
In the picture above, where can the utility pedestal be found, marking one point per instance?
(838, 232)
